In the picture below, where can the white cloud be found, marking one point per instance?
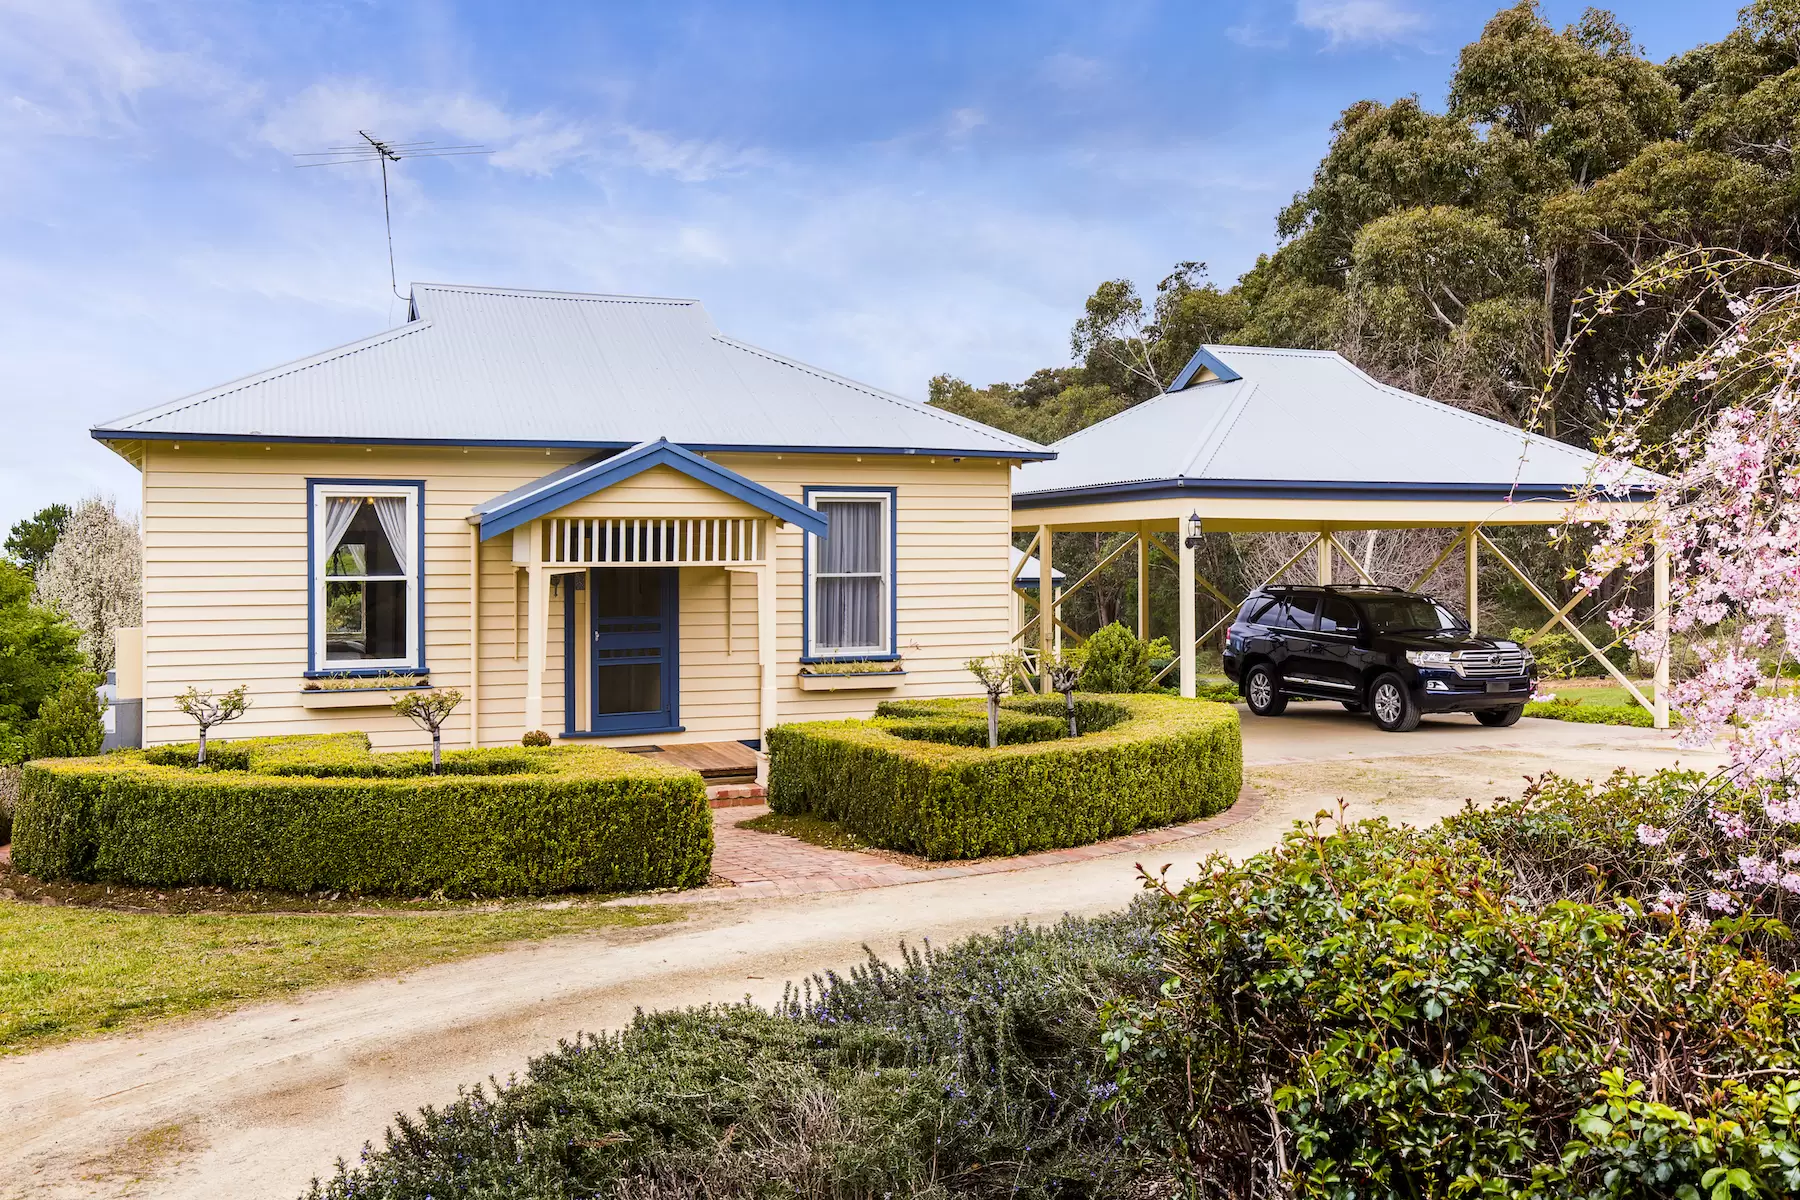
(1347, 22)
(963, 122)
(689, 160)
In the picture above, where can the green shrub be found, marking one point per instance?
(1378, 1013)
(1167, 760)
(69, 724)
(319, 814)
(9, 799)
(1117, 660)
(972, 1071)
(1023, 719)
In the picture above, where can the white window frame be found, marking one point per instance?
(414, 494)
(815, 649)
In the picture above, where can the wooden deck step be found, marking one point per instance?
(717, 762)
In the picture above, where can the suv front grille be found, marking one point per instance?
(1489, 664)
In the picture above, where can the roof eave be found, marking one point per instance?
(1304, 489)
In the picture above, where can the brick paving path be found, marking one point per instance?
(746, 862)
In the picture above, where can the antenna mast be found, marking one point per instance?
(382, 152)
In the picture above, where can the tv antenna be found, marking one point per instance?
(374, 149)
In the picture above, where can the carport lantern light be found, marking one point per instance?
(1193, 536)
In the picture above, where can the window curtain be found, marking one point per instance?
(339, 512)
(849, 589)
(391, 512)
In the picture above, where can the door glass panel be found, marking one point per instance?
(1297, 612)
(1338, 616)
(621, 592)
(628, 688)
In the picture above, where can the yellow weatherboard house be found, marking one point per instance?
(596, 516)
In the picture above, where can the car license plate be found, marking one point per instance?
(1499, 685)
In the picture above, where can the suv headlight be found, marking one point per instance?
(1428, 658)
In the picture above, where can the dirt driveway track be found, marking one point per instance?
(253, 1103)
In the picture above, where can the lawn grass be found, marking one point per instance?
(807, 828)
(68, 971)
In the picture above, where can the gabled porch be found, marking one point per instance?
(638, 553)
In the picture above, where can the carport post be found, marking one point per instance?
(1659, 714)
(1324, 556)
(1046, 598)
(1143, 584)
(1184, 645)
(1472, 576)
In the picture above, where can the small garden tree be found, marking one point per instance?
(209, 710)
(996, 673)
(1118, 660)
(1064, 675)
(428, 709)
(69, 724)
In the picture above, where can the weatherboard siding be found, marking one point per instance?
(225, 584)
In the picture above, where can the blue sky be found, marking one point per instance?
(886, 190)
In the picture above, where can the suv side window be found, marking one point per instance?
(1337, 616)
(1299, 612)
(1256, 610)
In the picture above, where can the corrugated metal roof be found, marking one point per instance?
(509, 367)
(1301, 422)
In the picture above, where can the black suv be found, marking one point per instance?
(1393, 654)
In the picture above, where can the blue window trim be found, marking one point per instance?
(314, 668)
(892, 653)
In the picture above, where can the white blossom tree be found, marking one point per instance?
(94, 576)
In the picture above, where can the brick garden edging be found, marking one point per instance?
(747, 863)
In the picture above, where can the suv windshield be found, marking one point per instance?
(1397, 614)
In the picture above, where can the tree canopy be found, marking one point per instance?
(1448, 252)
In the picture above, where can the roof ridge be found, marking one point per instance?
(960, 422)
(546, 294)
(1220, 431)
(291, 367)
(1217, 347)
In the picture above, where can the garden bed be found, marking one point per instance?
(311, 814)
(920, 779)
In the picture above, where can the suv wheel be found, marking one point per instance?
(1262, 691)
(1500, 718)
(1391, 704)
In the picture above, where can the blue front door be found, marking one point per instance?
(635, 684)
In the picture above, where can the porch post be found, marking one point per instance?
(1660, 622)
(1184, 648)
(765, 644)
(1046, 608)
(1472, 576)
(1143, 584)
(1324, 556)
(537, 636)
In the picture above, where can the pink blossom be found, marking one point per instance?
(1650, 835)
(1721, 902)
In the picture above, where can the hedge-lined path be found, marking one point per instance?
(253, 1103)
(771, 864)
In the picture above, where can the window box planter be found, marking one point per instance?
(848, 681)
(369, 697)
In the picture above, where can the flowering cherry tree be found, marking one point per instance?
(1716, 411)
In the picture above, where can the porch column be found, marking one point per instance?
(765, 644)
(1472, 576)
(1324, 556)
(1660, 622)
(1184, 647)
(474, 636)
(1143, 585)
(537, 642)
(1046, 608)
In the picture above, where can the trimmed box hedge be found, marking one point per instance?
(1141, 761)
(325, 814)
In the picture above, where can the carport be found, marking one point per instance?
(1259, 439)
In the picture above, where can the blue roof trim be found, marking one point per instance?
(1300, 489)
(102, 434)
(1203, 358)
(565, 486)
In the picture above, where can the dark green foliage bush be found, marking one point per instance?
(1117, 660)
(1384, 1012)
(39, 653)
(1167, 760)
(976, 1072)
(323, 813)
(69, 723)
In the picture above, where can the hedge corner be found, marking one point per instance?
(917, 779)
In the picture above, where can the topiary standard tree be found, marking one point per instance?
(209, 710)
(1064, 675)
(996, 673)
(429, 709)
